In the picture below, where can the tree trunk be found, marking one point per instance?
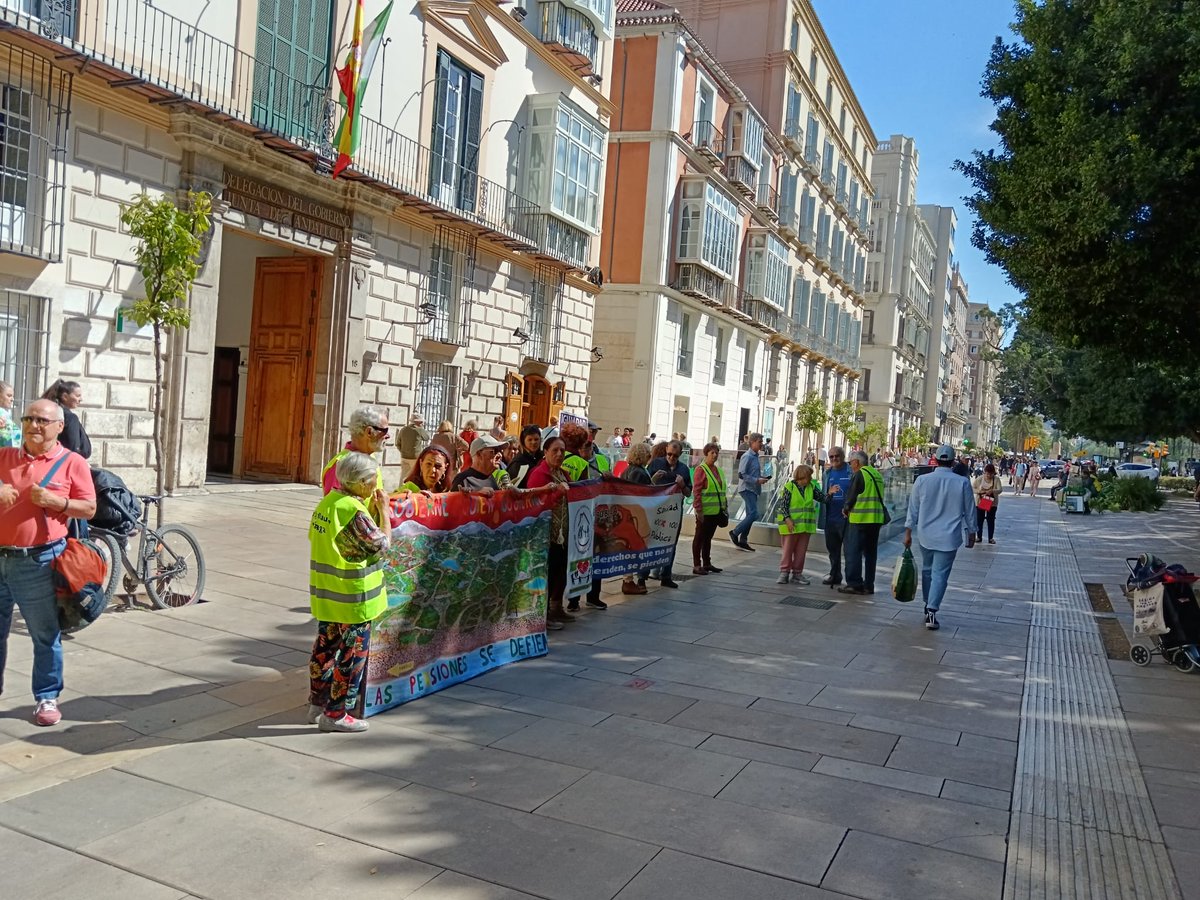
(158, 444)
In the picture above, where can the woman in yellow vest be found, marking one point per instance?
(796, 513)
(710, 502)
(345, 587)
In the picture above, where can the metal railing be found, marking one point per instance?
(718, 376)
(767, 198)
(570, 31)
(152, 47)
(762, 312)
(683, 362)
(741, 174)
(697, 281)
(708, 139)
(794, 131)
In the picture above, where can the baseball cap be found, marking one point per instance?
(592, 426)
(485, 442)
(944, 452)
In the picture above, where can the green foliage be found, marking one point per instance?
(1130, 494)
(167, 254)
(1015, 427)
(912, 436)
(844, 416)
(811, 414)
(1088, 203)
(1177, 485)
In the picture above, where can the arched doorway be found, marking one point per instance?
(540, 399)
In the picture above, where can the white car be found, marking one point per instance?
(1137, 470)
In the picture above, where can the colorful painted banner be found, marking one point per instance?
(466, 582)
(619, 528)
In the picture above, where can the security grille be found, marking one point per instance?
(437, 391)
(543, 319)
(24, 344)
(35, 101)
(807, 603)
(449, 288)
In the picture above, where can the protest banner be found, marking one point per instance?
(633, 528)
(466, 583)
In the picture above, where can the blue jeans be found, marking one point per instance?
(741, 531)
(27, 582)
(935, 575)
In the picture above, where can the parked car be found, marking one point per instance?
(1137, 470)
(1052, 469)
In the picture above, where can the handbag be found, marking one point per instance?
(985, 503)
(722, 519)
(79, 573)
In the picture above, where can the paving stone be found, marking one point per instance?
(713, 829)
(979, 767)
(623, 753)
(791, 690)
(872, 866)
(627, 701)
(780, 756)
(973, 830)
(460, 721)
(857, 771)
(59, 871)
(694, 691)
(518, 850)
(453, 886)
(674, 874)
(974, 793)
(896, 726)
(918, 711)
(260, 856)
(801, 711)
(1187, 870)
(76, 812)
(790, 732)
(653, 731)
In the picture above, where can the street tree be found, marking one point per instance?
(912, 436)
(168, 257)
(1088, 200)
(811, 416)
(844, 416)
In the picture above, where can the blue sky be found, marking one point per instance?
(916, 67)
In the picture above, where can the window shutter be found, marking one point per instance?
(438, 161)
(468, 186)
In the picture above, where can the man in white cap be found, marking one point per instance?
(484, 450)
(942, 512)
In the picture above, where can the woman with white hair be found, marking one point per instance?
(10, 429)
(369, 431)
(345, 587)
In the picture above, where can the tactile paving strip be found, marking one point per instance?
(1082, 824)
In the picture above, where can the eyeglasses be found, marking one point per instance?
(38, 421)
(379, 430)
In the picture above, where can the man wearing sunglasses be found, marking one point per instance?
(369, 431)
(664, 470)
(42, 486)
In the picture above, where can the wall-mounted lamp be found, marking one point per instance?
(597, 354)
(519, 13)
(521, 335)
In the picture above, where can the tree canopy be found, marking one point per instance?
(1089, 201)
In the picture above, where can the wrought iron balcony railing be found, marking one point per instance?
(767, 200)
(133, 44)
(741, 174)
(719, 371)
(793, 131)
(708, 141)
(570, 34)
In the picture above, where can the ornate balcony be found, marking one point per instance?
(708, 141)
(570, 34)
(742, 175)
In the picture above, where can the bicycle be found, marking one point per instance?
(168, 560)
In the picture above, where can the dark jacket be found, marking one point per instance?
(520, 467)
(73, 436)
(661, 472)
(636, 474)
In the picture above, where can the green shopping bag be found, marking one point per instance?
(904, 582)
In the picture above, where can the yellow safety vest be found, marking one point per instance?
(340, 590)
(714, 496)
(575, 466)
(801, 509)
(868, 506)
(602, 463)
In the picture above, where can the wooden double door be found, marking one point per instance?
(277, 429)
(531, 400)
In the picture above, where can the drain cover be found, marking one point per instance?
(807, 603)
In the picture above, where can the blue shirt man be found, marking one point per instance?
(831, 520)
(942, 512)
(750, 482)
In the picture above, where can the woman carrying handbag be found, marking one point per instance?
(987, 489)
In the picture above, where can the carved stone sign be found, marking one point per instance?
(279, 205)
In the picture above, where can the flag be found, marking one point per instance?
(353, 76)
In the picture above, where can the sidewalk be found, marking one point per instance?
(734, 737)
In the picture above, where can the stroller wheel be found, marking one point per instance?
(1139, 655)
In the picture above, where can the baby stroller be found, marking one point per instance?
(1164, 610)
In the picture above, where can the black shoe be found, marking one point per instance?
(931, 621)
(596, 604)
(831, 581)
(851, 589)
(667, 582)
(739, 544)
(746, 546)
(712, 570)
(573, 605)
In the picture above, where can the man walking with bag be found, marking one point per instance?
(42, 486)
(750, 482)
(942, 512)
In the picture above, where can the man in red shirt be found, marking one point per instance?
(33, 532)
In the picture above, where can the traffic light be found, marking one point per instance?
(967, 442)
(1032, 443)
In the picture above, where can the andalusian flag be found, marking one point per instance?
(353, 79)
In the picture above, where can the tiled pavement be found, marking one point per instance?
(701, 743)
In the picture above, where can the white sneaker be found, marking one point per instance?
(314, 713)
(800, 580)
(47, 713)
(784, 577)
(931, 621)
(346, 723)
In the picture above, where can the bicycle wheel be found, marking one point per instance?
(109, 546)
(175, 569)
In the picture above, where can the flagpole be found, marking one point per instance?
(383, 75)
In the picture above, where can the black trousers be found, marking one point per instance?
(835, 537)
(990, 516)
(862, 551)
(702, 541)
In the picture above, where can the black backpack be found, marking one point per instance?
(117, 507)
